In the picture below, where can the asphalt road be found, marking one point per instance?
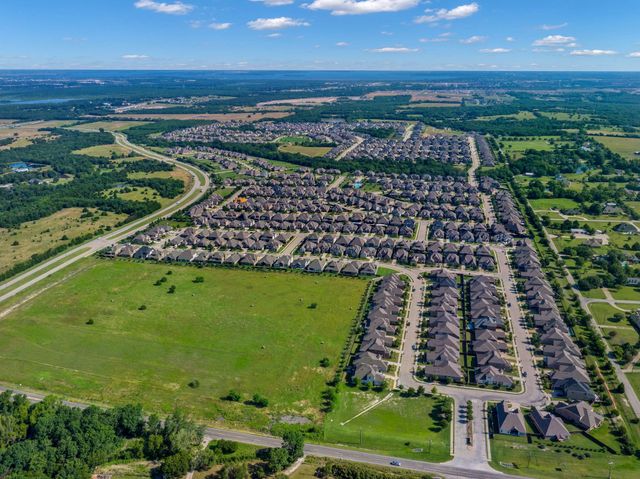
(36, 274)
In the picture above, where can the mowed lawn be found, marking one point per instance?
(251, 331)
(398, 426)
(557, 461)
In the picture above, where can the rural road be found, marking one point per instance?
(200, 185)
(449, 470)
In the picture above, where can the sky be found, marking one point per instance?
(563, 35)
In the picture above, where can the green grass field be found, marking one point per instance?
(603, 312)
(553, 461)
(625, 147)
(398, 426)
(251, 331)
(555, 203)
(565, 116)
(521, 115)
(313, 151)
(103, 151)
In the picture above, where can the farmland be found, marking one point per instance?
(268, 340)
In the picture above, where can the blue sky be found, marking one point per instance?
(321, 34)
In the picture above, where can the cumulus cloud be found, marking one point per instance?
(461, 11)
(220, 26)
(553, 27)
(176, 8)
(360, 7)
(510, 39)
(473, 39)
(393, 50)
(443, 37)
(634, 55)
(132, 56)
(592, 53)
(342, 44)
(274, 3)
(276, 23)
(554, 41)
(495, 50)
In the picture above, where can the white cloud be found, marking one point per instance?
(592, 53)
(443, 37)
(220, 26)
(510, 39)
(634, 55)
(274, 35)
(360, 7)
(495, 50)
(461, 11)
(274, 3)
(176, 8)
(555, 40)
(473, 39)
(342, 44)
(276, 23)
(393, 50)
(553, 27)
(132, 56)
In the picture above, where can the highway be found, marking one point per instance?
(199, 186)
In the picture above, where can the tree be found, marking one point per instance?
(129, 420)
(293, 443)
(180, 433)
(235, 471)
(259, 401)
(277, 459)
(176, 466)
(233, 396)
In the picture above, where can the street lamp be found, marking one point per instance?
(610, 466)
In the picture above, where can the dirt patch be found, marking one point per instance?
(295, 420)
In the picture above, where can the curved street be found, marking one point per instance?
(200, 185)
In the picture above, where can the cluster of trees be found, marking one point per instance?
(147, 166)
(91, 177)
(52, 440)
(614, 275)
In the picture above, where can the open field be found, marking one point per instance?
(564, 116)
(553, 203)
(25, 133)
(616, 332)
(107, 125)
(206, 116)
(398, 426)
(625, 147)
(137, 193)
(432, 130)
(557, 461)
(268, 340)
(34, 237)
(104, 151)
(313, 151)
(521, 115)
